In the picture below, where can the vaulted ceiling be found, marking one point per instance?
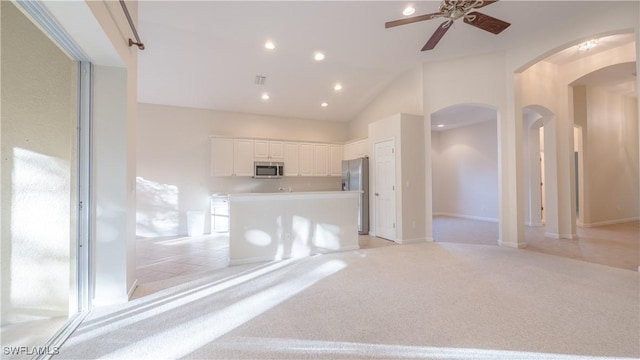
(207, 54)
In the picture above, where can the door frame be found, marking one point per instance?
(392, 235)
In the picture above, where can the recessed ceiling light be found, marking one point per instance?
(324, 104)
(409, 10)
(587, 45)
(270, 45)
(318, 56)
(265, 96)
(337, 87)
(440, 125)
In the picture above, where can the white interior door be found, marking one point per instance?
(384, 189)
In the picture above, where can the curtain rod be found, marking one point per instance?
(138, 43)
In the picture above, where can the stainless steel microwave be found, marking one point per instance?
(268, 170)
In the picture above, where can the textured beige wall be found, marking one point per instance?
(38, 171)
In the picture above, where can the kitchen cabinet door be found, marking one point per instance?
(266, 150)
(335, 160)
(306, 164)
(321, 159)
(221, 157)
(261, 149)
(291, 159)
(243, 157)
(276, 150)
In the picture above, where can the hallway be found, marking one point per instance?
(611, 245)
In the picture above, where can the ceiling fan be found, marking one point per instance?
(453, 10)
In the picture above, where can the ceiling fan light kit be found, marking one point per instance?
(452, 10)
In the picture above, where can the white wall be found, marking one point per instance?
(465, 171)
(408, 135)
(412, 153)
(114, 162)
(599, 19)
(546, 86)
(173, 161)
(477, 80)
(110, 155)
(611, 156)
(403, 95)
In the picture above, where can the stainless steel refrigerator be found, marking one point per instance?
(355, 177)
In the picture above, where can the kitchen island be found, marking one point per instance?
(274, 226)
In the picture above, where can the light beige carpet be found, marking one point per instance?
(433, 301)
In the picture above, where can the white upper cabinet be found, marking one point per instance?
(276, 150)
(356, 149)
(306, 164)
(243, 157)
(321, 158)
(268, 150)
(335, 160)
(221, 157)
(291, 159)
(235, 157)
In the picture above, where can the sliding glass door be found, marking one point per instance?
(44, 176)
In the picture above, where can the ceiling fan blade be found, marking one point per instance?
(485, 3)
(411, 20)
(485, 22)
(437, 35)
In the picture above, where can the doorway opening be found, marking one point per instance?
(464, 157)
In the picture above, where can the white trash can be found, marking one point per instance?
(195, 223)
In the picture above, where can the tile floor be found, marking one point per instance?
(612, 245)
(165, 258)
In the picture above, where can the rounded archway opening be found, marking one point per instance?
(465, 174)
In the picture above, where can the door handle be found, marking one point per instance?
(376, 194)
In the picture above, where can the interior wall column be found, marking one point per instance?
(565, 167)
(428, 179)
(510, 166)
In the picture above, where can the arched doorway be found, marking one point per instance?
(540, 154)
(464, 155)
(593, 110)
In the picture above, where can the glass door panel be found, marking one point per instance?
(39, 144)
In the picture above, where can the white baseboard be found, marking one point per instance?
(470, 217)
(412, 241)
(561, 236)
(610, 222)
(514, 245)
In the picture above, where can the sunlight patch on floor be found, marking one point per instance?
(180, 341)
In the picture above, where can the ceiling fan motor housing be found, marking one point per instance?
(454, 9)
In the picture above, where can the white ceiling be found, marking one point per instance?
(206, 54)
